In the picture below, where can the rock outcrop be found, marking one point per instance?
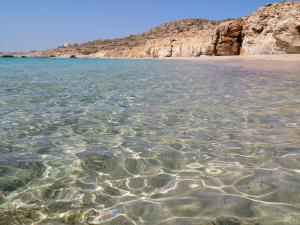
(272, 29)
(228, 38)
(192, 43)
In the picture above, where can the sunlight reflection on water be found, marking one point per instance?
(98, 141)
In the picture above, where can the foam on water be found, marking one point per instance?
(99, 141)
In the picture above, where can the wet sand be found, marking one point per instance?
(282, 57)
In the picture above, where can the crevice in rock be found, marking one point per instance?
(258, 30)
(171, 51)
(240, 41)
(215, 43)
(298, 28)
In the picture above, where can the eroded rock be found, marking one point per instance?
(273, 29)
(228, 38)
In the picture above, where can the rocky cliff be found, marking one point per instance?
(272, 29)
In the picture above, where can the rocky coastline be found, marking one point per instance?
(272, 29)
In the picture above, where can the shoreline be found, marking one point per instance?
(278, 57)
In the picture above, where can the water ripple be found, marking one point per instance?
(95, 141)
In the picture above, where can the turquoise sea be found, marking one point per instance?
(120, 141)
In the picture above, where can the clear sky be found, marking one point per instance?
(42, 24)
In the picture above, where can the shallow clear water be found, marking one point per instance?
(99, 141)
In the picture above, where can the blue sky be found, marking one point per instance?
(42, 24)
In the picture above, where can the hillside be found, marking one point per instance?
(272, 29)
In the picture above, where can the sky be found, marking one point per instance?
(27, 25)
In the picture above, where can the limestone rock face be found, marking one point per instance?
(184, 45)
(273, 29)
(222, 39)
(228, 38)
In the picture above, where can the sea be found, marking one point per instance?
(137, 141)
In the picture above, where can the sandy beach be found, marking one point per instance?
(281, 57)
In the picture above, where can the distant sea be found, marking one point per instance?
(120, 141)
